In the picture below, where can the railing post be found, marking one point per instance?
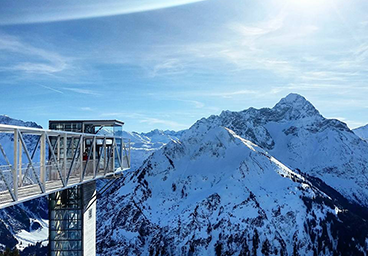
(15, 164)
(113, 154)
(72, 144)
(65, 156)
(105, 154)
(58, 149)
(81, 151)
(58, 155)
(94, 156)
(20, 179)
(43, 160)
(128, 166)
(122, 146)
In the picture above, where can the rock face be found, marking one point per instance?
(362, 132)
(215, 193)
(296, 134)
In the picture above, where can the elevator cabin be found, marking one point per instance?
(72, 212)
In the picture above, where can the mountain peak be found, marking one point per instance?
(295, 106)
(294, 98)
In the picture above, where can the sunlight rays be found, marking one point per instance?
(23, 12)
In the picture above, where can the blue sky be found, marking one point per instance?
(164, 64)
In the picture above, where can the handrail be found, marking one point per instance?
(4, 128)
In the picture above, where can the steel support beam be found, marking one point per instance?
(65, 158)
(81, 153)
(43, 160)
(74, 158)
(20, 179)
(94, 157)
(15, 163)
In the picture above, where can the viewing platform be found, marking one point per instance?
(36, 162)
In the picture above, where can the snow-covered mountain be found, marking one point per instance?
(215, 193)
(25, 226)
(4, 119)
(295, 133)
(362, 132)
(163, 137)
(144, 144)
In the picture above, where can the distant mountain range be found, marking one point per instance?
(144, 144)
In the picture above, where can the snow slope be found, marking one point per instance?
(215, 193)
(25, 224)
(362, 132)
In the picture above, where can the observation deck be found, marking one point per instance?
(36, 162)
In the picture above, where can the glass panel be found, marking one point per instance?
(66, 222)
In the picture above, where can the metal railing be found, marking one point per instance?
(37, 161)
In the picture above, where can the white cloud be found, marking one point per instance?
(81, 91)
(51, 89)
(43, 61)
(168, 67)
(170, 124)
(234, 93)
(259, 29)
(38, 12)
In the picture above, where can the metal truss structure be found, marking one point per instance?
(54, 161)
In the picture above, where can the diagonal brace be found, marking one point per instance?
(52, 150)
(74, 157)
(30, 162)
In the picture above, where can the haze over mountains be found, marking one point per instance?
(272, 181)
